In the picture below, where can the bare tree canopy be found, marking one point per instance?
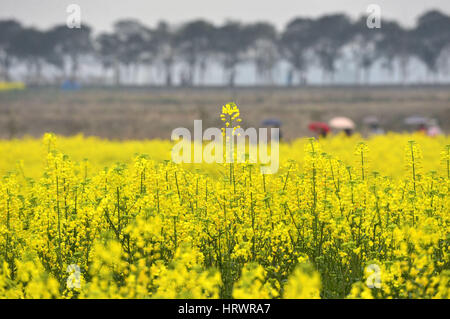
(186, 54)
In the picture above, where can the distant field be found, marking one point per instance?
(125, 113)
(386, 153)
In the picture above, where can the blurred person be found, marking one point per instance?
(320, 128)
(348, 131)
(433, 128)
(374, 125)
(417, 123)
(342, 123)
(376, 129)
(323, 133)
(273, 123)
(422, 129)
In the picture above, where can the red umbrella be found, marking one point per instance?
(319, 127)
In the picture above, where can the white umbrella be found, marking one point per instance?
(342, 123)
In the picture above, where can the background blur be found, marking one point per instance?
(139, 69)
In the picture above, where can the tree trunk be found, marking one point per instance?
(6, 66)
(290, 77)
(38, 75)
(358, 74)
(117, 79)
(191, 74)
(404, 62)
(366, 75)
(303, 77)
(168, 71)
(74, 70)
(232, 77)
(202, 71)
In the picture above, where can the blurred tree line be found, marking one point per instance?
(304, 42)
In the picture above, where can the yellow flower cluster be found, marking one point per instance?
(230, 116)
(153, 229)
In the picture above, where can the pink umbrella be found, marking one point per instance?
(342, 123)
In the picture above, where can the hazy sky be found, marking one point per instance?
(102, 13)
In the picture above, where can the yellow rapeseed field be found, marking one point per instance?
(10, 86)
(82, 217)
